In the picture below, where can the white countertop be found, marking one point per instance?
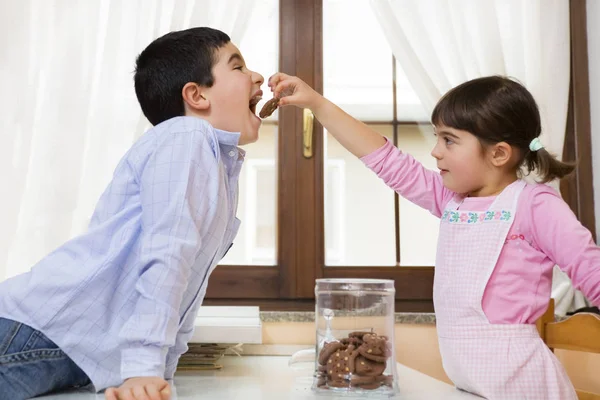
(270, 377)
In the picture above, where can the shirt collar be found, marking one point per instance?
(229, 139)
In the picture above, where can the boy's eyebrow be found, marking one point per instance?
(235, 56)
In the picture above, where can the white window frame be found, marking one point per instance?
(335, 253)
(256, 254)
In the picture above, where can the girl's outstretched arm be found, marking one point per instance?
(398, 170)
(355, 136)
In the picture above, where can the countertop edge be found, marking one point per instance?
(309, 316)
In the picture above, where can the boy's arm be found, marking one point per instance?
(175, 204)
(181, 344)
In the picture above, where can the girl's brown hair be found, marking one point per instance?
(497, 109)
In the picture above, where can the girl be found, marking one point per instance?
(499, 236)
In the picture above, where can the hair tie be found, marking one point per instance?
(536, 144)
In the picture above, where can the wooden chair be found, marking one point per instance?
(580, 332)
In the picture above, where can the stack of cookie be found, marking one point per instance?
(357, 361)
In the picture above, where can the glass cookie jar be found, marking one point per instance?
(354, 321)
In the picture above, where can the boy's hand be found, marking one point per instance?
(142, 388)
(294, 91)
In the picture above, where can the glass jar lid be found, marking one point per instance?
(351, 285)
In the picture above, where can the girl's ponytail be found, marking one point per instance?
(547, 166)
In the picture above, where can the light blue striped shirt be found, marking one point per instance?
(121, 299)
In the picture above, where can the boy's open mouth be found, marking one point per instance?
(253, 102)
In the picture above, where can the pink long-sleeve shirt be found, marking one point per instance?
(545, 232)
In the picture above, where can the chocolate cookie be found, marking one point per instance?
(356, 361)
(364, 366)
(341, 363)
(358, 334)
(374, 348)
(358, 380)
(327, 350)
(385, 379)
(370, 386)
(364, 352)
(365, 382)
(352, 340)
(338, 384)
(269, 108)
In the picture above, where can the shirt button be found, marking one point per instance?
(231, 153)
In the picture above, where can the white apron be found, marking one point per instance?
(495, 361)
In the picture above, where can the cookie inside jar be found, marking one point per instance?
(357, 361)
(354, 323)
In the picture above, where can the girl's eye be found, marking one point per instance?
(448, 141)
(240, 68)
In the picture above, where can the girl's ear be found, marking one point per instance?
(501, 154)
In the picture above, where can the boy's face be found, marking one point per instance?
(234, 94)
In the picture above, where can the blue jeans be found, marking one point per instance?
(32, 365)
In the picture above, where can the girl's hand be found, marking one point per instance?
(292, 90)
(355, 136)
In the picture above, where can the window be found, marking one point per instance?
(328, 215)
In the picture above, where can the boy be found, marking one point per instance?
(115, 306)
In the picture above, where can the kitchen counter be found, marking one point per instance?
(270, 377)
(309, 316)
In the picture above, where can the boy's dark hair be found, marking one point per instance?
(171, 61)
(498, 109)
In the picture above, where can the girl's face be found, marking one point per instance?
(461, 160)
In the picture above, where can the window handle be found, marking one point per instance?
(307, 134)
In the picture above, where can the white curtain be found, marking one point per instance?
(442, 43)
(69, 106)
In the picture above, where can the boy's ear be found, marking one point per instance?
(193, 96)
(501, 154)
